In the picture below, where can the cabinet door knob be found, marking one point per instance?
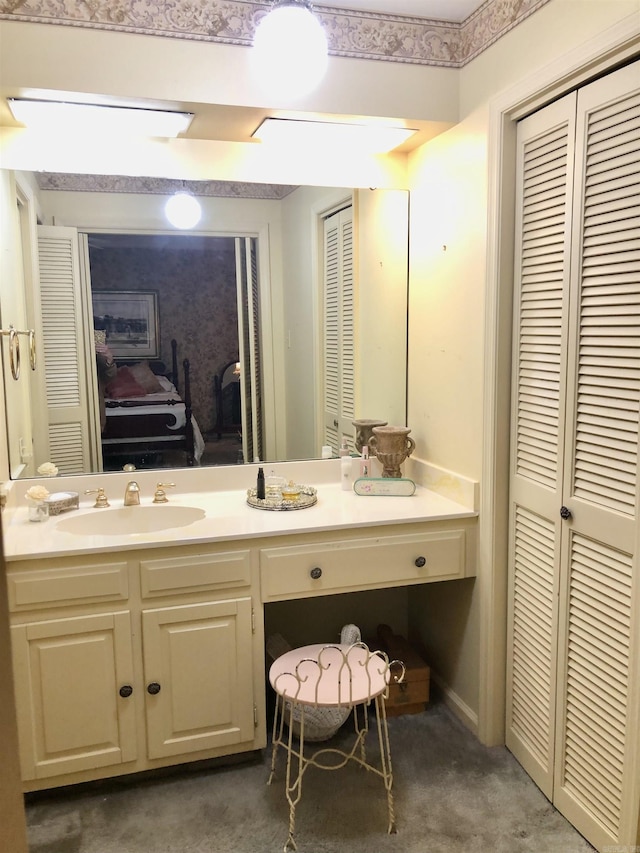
(316, 573)
(153, 688)
(565, 512)
(420, 562)
(125, 691)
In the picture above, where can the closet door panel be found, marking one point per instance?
(596, 783)
(545, 166)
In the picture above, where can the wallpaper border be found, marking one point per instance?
(360, 35)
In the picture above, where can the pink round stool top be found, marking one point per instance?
(329, 675)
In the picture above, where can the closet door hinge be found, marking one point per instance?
(255, 716)
(253, 621)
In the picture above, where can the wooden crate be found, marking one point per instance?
(411, 696)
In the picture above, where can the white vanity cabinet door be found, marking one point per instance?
(198, 676)
(72, 680)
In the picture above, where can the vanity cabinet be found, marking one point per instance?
(124, 665)
(144, 658)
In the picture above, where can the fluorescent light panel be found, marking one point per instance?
(367, 138)
(67, 115)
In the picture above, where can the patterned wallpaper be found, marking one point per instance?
(161, 186)
(363, 35)
(195, 282)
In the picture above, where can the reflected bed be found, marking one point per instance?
(148, 421)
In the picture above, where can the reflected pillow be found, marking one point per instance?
(144, 376)
(124, 385)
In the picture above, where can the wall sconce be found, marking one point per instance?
(290, 49)
(183, 210)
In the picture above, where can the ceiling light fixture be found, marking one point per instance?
(290, 49)
(98, 118)
(304, 135)
(183, 210)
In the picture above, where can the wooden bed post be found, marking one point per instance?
(174, 364)
(187, 412)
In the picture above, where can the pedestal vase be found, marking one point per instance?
(391, 445)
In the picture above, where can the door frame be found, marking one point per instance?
(595, 57)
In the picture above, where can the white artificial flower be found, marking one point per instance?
(48, 469)
(37, 493)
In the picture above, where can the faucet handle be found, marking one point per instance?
(101, 499)
(159, 496)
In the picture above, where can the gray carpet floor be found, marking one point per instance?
(452, 795)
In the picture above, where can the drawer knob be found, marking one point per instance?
(153, 688)
(316, 573)
(125, 691)
(420, 562)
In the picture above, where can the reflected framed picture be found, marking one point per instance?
(130, 322)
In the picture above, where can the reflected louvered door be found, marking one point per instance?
(67, 378)
(247, 293)
(339, 329)
(541, 295)
(597, 771)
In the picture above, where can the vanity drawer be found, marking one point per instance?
(332, 567)
(195, 573)
(66, 585)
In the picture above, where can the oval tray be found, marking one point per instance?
(307, 497)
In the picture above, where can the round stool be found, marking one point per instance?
(330, 677)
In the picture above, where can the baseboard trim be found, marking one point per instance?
(456, 705)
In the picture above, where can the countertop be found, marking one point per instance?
(228, 517)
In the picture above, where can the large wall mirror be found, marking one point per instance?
(289, 304)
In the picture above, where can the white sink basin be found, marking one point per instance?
(130, 519)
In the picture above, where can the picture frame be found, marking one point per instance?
(130, 320)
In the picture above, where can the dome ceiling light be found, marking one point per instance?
(183, 210)
(290, 50)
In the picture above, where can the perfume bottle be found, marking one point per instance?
(274, 485)
(260, 490)
(365, 464)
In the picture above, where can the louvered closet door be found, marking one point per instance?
(597, 772)
(64, 334)
(541, 284)
(339, 330)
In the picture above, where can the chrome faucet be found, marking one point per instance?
(132, 494)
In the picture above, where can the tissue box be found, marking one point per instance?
(62, 501)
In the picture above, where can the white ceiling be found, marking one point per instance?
(447, 10)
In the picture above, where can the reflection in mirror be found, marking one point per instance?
(287, 313)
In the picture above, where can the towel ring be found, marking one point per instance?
(32, 348)
(14, 353)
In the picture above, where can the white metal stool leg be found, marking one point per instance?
(385, 759)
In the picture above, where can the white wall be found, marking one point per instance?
(382, 222)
